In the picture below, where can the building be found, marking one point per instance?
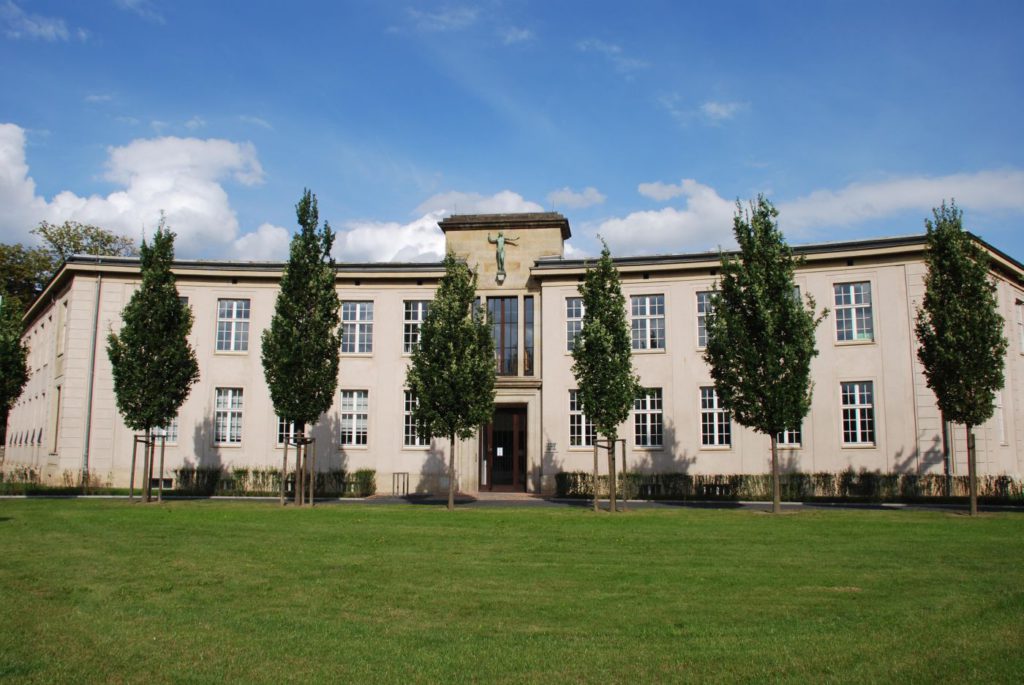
(871, 408)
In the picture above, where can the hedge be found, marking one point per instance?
(261, 482)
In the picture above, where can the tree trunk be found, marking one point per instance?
(451, 474)
(776, 489)
(131, 480)
(284, 467)
(145, 468)
(596, 509)
(312, 478)
(160, 491)
(972, 470)
(152, 465)
(611, 476)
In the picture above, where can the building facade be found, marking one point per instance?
(871, 409)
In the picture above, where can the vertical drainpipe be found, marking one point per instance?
(92, 378)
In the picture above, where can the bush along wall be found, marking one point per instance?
(849, 485)
(244, 482)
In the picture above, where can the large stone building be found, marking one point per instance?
(871, 408)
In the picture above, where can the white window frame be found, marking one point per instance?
(648, 419)
(581, 429)
(357, 327)
(715, 421)
(415, 312)
(574, 312)
(646, 322)
(410, 436)
(355, 418)
(169, 432)
(703, 307)
(854, 305)
(857, 400)
(285, 430)
(228, 407)
(234, 321)
(1020, 326)
(791, 438)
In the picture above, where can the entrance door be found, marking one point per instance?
(503, 457)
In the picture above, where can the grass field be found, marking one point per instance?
(100, 591)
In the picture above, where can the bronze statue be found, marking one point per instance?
(500, 242)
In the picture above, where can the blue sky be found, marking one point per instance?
(642, 122)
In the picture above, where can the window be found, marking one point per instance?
(581, 429)
(528, 335)
(790, 438)
(1000, 418)
(169, 432)
(1020, 326)
(573, 320)
(504, 313)
(703, 307)
(853, 311)
(858, 413)
(285, 431)
(415, 313)
(648, 322)
(412, 439)
(647, 425)
(355, 412)
(232, 325)
(357, 327)
(228, 420)
(715, 425)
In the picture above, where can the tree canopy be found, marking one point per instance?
(760, 340)
(453, 369)
(300, 349)
(13, 358)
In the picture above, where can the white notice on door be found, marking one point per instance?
(499, 451)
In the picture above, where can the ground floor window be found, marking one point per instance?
(790, 438)
(858, 412)
(581, 429)
(647, 418)
(412, 439)
(355, 412)
(285, 431)
(228, 419)
(715, 424)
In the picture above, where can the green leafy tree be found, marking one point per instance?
(603, 359)
(761, 333)
(13, 359)
(300, 349)
(962, 345)
(72, 238)
(24, 271)
(453, 371)
(154, 366)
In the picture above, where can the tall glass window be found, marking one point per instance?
(648, 322)
(858, 412)
(355, 414)
(357, 327)
(703, 307)
(581, 429)
(573, 321)
(528, 335)
(415, 313)
(853, 311)
(232, 325)
(647, 418)
(228, 418)
(504, 312)
(411, 437)
(715, 425)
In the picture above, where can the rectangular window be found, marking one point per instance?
(790, 438)
(1000, 418)
(169, 432)
(528, 335)
(573, 321)
(228, 420)
(285, 431)
(1020, 326)
(853, 311)
(648, 322)
(357, 327)
(858, 413)
(504, 313)
(412, 439)
(647, 418)
(715, 424)
(415, 313)
(232, 325)
(581, 429)
(703, 307)
(355, 413)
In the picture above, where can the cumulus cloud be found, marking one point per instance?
(181, 176)
(20, 24)
(268, 243)
(663, 191)
(567, 197)
(455, 202)
(420, 240)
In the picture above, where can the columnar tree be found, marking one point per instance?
(300, 349)
(13, 359)
(962, 345)
(603, 359)
(153, 363)
(760, 339)
(452, 373)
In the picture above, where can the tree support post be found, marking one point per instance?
(145, 467)
(972, 470)
(312, 476)
(595, 477)
(163, 448)
(776, 489)
(284, 466)
(131, 481)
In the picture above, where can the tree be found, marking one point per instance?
(962, 345)
(154, 366)
(24, 271)
(761, 332)
(453, 372)
(71, 238)
(13, 359)
(603, 359)
(300, 349)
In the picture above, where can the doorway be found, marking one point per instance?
(503, 451)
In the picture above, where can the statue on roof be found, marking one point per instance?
(500, 242)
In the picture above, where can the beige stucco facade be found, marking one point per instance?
(67, 418)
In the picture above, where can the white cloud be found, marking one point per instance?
(567, 197)
(711, 112)
(95, 98)
(663, 191)
(195, 123)
(622, 63)
(420, 240)
(704, 224)
(721, 111)
(268, 243)
(143, 8)
(454, 202)
(858, 202)
(447, 19)
(513, 35)
(181, 176)
(256, 121)
(20, 24)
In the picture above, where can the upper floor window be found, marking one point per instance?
(573, 321)
(355, 413)
(228, 419)
(504, 312)
(415, 313)
(1020, 325)
(703, 307)
(357, 327)
(528, 335)
(858, 412)
(853, 311)
(648, 312)
(647, 418)
(581, 429)
(715, 424)
(232, 325)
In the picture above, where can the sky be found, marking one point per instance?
(643, 123)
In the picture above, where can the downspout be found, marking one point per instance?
(92, 379)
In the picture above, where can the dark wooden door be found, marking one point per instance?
(504, 454)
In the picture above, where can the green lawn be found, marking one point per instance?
(246, 592)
